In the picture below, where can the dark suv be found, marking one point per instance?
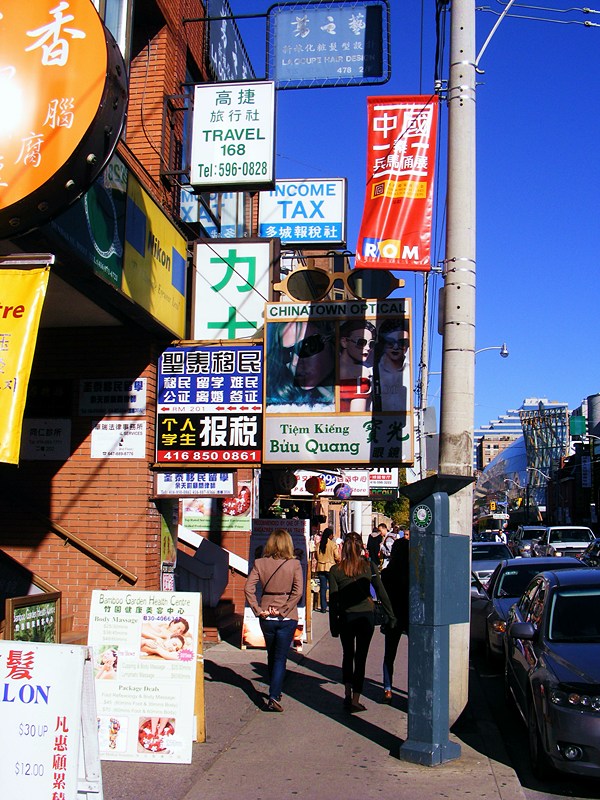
(591, 555)
(520, 542)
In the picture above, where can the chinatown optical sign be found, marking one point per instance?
(63, 100)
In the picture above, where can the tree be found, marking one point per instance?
(396, 510)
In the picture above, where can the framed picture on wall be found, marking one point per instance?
(33, 618)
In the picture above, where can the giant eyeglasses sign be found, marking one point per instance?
(63, 95)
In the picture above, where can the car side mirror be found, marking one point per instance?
(521, 630)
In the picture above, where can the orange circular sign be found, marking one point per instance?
(57, 66)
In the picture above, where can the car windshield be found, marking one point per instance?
(571, 535)
(489, 552)
(513, 582)
(534, 533)
(575, 615)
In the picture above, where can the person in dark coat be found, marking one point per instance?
(395, 579)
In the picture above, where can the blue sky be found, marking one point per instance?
(538, 187)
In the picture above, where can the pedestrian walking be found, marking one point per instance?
(375, 541)
(386, 546)
(395, 578)
(279, 574)
(351, 614)
(327, 554)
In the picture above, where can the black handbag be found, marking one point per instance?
(382, 618)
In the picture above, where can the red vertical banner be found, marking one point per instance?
(395, 231)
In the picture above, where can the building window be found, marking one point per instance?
(117, 15)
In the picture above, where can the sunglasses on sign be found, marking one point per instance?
(395, 344)
(309, 284)
(362, 343)
(305, 348)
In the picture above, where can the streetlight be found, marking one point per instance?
(535, 469)
(502, 347)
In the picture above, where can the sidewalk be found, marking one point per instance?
(315, 749)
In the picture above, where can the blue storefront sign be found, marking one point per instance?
(340, 43)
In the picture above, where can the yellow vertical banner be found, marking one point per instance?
(22, 294)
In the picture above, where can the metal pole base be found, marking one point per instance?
(428, 754)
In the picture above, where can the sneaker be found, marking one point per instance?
(274, 705)
(387, 697)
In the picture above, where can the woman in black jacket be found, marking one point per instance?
(395, 580)
(351, 614)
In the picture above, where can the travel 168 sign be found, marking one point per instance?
(233, 139)
(209, 406)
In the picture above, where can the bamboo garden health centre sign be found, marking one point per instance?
(233, 139)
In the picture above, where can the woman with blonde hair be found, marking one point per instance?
(351, 614)
(327, 554)
(280, 575)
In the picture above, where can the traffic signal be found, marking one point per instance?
(493, 505)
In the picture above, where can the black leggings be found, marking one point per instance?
(356, 632)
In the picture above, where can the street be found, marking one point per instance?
(514, 735)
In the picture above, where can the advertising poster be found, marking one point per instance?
(41, 719)
(261, 530)
(209, 407)
(23, 294)
(338, 385)
(233, 513)
(395, 231)
(145, 647)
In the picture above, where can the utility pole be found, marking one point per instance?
(458, 355)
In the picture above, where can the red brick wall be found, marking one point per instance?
(105, 502)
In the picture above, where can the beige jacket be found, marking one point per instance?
(282, 586)
(331, 556)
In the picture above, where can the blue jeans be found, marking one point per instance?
(392, 640)
(323, 586)
(279, 634)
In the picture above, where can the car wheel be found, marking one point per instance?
(541, 764)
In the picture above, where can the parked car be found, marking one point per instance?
(562, 540)
(591, 555)
(519, 542)
(552, 669)
(485, 556)
(491, 602)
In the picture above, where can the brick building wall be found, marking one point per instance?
(105, 502)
